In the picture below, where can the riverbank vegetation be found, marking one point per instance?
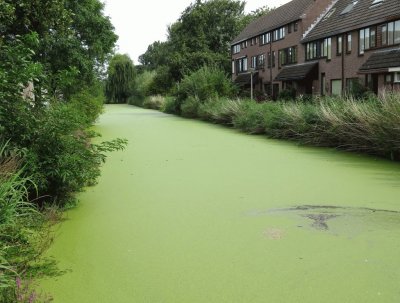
(369, 124)
(51, 58)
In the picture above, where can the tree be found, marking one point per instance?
(120, 80)
(75, 40)
(201, 36)
(156, 55)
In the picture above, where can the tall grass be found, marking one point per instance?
(369, 125)
(23, 235)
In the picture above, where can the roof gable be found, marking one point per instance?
(347, 15)
(278, 17)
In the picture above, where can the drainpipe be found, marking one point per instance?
(270, 64)
(343, 49)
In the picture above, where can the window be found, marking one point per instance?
(348, 43)
(244, 44)
(388, 78)
(271, 60)
(349, 8)
(265, 38)
(319, 49)
(253, 62)
(352, 84)
(260, 61)
(289, 28)
(236, 48)
(367, 39)
(376, 2)
(233, 66)
(336, 86)
(339, 45)
(396, 78)
(279, 33)
(391, 33)
(295, 26)
(288, 56)
(330, 13)
(241, 65)
(323, 84)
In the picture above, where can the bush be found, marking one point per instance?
(190, 107)
(162, 81)
(142, 87)
(220, 110)
(250, 117)
(205, 83)
(287, 94)
(89, 102)
(170, 105)
(154, 102)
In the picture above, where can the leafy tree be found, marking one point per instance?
(201, 36)
(156, 55)
(75, 40)
(120, 81)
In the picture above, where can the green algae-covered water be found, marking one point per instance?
(191, 212)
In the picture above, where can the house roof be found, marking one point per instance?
(358, 15)
(381, 61)
(245, 78)
(278, 17)
(296, 72)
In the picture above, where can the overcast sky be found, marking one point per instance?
(138, 24)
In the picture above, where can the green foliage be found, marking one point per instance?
(120, 80)
(22, 236)
(75, 40)
(190, 107)
(287, 94)
(201, 36)
(89, 102)
(154, 102)
(156, 55)
(162, 81)
(142, 87)
(251, 117)
(220, 110)
(170, 106)
(203, 84)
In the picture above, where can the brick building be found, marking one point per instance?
(321, 47)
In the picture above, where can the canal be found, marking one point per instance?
(192, 212)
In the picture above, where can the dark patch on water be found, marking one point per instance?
(351, 220)
(320, 220)
(331, 207)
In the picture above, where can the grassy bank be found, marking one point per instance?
(370, 125)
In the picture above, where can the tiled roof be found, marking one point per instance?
(296, 72)
(280, 16)
(382, 60)
(360, 15)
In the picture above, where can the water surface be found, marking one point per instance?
(193, 212)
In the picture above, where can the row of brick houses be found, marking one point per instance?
(321, 47)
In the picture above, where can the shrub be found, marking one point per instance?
(89, 102)
(190, 107)
(220, 110)
(205, 83)
(171, 106)
(287, 94)
(162, 81)
(154, 102)
(250, 117)
(142, 87)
